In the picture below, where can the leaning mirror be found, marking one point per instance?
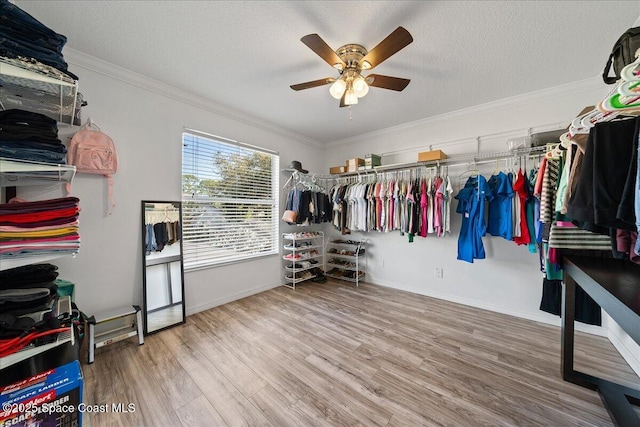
(162, 270)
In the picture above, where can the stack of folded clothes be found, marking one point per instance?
(30, 136)
(47, 227)
(27, 300)
(24, 37)
(27, 289)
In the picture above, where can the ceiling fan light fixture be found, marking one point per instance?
(350, 97)
(337, 88)
(360, 87)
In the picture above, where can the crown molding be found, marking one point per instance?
(83, 60)
(568, 89)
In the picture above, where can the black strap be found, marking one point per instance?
(607, 68)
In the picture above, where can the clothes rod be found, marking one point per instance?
(469, 159)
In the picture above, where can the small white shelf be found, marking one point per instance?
(302, 259)
(302, 248)
(355, 280)
(296, 281)
(303, 236)
(15, 173)
(6, 263)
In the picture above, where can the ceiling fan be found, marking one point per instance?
(350, 60)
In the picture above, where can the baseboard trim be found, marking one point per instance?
(590, 329)
(631, 357)
(220, 301)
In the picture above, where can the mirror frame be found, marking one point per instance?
(144, 203)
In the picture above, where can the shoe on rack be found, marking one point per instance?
(292, 256)
(320, 278)
(292, 267)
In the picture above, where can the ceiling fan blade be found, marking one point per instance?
(394, 42)
(322, 49)
(315, 83)
(387, 82)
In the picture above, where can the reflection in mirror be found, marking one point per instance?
(162, 270)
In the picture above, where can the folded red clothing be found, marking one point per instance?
(63, 221)
(20, 218)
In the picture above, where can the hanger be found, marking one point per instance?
(630, 71)
(495, 171)
(470, 171)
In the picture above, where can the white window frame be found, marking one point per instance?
(219, 242)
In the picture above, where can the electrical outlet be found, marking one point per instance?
(439, 273)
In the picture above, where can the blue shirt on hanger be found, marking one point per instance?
(500, 218)
(471, 205)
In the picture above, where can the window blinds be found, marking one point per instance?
(230, 201)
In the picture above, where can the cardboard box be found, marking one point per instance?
(353, 164)
(337, 169)
(372, 160)
(428, 156)
(49, 398)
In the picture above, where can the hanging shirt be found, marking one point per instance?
(500, 207)
(515, 209)
(424, 205)
(520, 187)
(471, 205)
(438, 213)
(547, 197)
(431, 199)
(447, 200)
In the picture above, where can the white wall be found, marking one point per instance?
(509, 279)
(146, 119)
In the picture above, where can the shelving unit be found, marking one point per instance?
(62, 307)
(303, 254)
(42, 89)
(15, 173)
(346, 259)
(39, 88)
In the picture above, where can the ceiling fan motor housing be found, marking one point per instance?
(352, 54)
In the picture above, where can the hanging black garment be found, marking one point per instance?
(162, 237)
(587, 310)
(604, 195)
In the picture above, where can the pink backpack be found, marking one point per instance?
(92, 151)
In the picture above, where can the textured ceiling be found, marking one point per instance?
(244, 55)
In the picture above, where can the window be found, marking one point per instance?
(230, 201)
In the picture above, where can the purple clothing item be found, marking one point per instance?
(42, 205)
(626, 242)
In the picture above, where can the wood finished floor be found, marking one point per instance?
(333, 354)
